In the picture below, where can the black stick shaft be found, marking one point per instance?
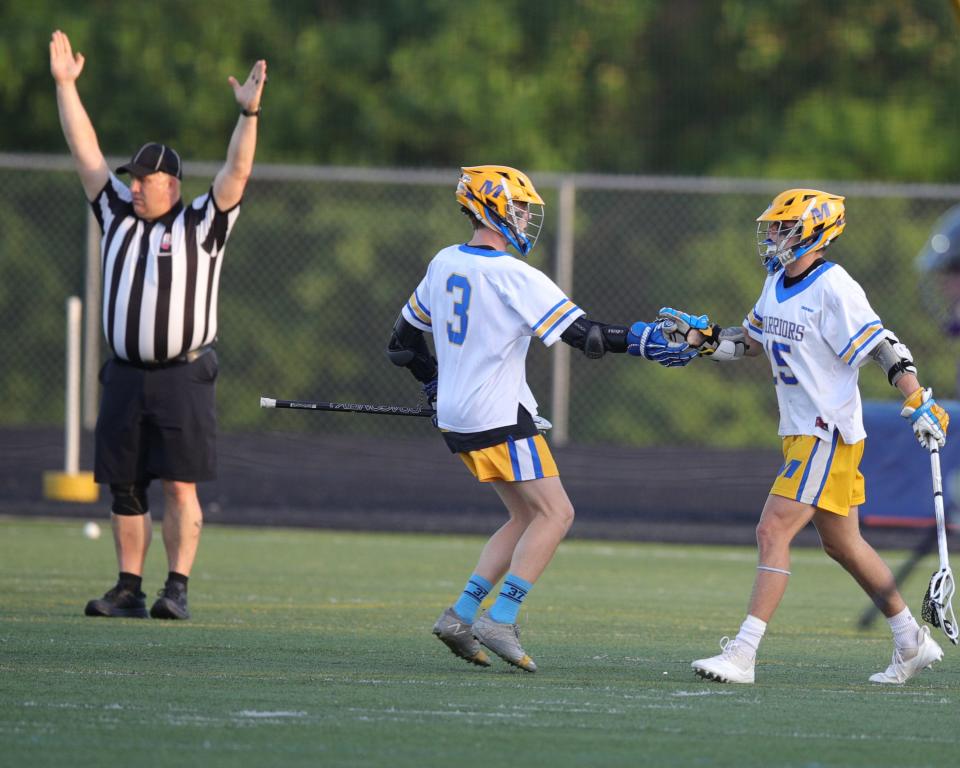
(383, 410)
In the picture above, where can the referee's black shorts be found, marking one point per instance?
(157, 422)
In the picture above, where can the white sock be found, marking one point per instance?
(751, 633)
(904, 628)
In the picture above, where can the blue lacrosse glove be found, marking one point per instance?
(928, 419)
(650, 341)
(430, 392)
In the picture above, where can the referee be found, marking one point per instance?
(161, 265)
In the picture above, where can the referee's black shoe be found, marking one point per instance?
(119, 602)
(171, 602)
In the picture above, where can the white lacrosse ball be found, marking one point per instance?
(91, 530)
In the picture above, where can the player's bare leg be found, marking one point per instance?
(546, 504)
(914, 649)
(549, 514)
(843, 542)
(455, 626)
(781, 520)
(131, 538)
(498, 551)
(182, 522)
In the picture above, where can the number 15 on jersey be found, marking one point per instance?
(778, 350)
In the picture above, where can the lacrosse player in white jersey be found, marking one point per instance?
(483, 306)
(816, 326)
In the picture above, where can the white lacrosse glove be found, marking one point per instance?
(927, 418)
(541, 423)
(685, 322)
(719, 344)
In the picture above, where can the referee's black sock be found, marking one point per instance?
(178, 578)
(129, 581)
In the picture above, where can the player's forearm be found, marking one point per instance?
(243, 145)
(908, 383)
(753, 348)
(232, 179)
(77, 129)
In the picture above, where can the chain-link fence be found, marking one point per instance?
(322, 259)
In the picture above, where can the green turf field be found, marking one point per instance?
(313, 648)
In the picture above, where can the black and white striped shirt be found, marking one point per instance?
(160, 278)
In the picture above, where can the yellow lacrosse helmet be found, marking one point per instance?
(503, 199)
(809, 221)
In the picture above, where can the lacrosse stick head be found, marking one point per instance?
(937, 608)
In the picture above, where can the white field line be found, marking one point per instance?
(681, 694)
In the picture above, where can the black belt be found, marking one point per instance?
(187, 357)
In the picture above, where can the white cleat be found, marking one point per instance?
(734, 665)
(902, 669)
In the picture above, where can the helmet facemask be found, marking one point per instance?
(523, 224)
(777, 243)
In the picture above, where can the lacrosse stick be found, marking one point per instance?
(383, 410)
(937, 608)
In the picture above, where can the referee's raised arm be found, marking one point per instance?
(230, 182)
(77, 128)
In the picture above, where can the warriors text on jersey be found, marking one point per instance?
(816, 333)
(483, 306)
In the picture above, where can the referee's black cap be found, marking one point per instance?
(154, 158)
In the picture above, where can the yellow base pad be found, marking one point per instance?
(60, 486)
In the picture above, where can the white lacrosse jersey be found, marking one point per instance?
(483, 307)
(817, 333)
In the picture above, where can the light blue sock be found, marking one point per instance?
(508, 602)
(473, 594)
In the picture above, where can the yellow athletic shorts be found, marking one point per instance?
(824, 474)
(526, 459)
